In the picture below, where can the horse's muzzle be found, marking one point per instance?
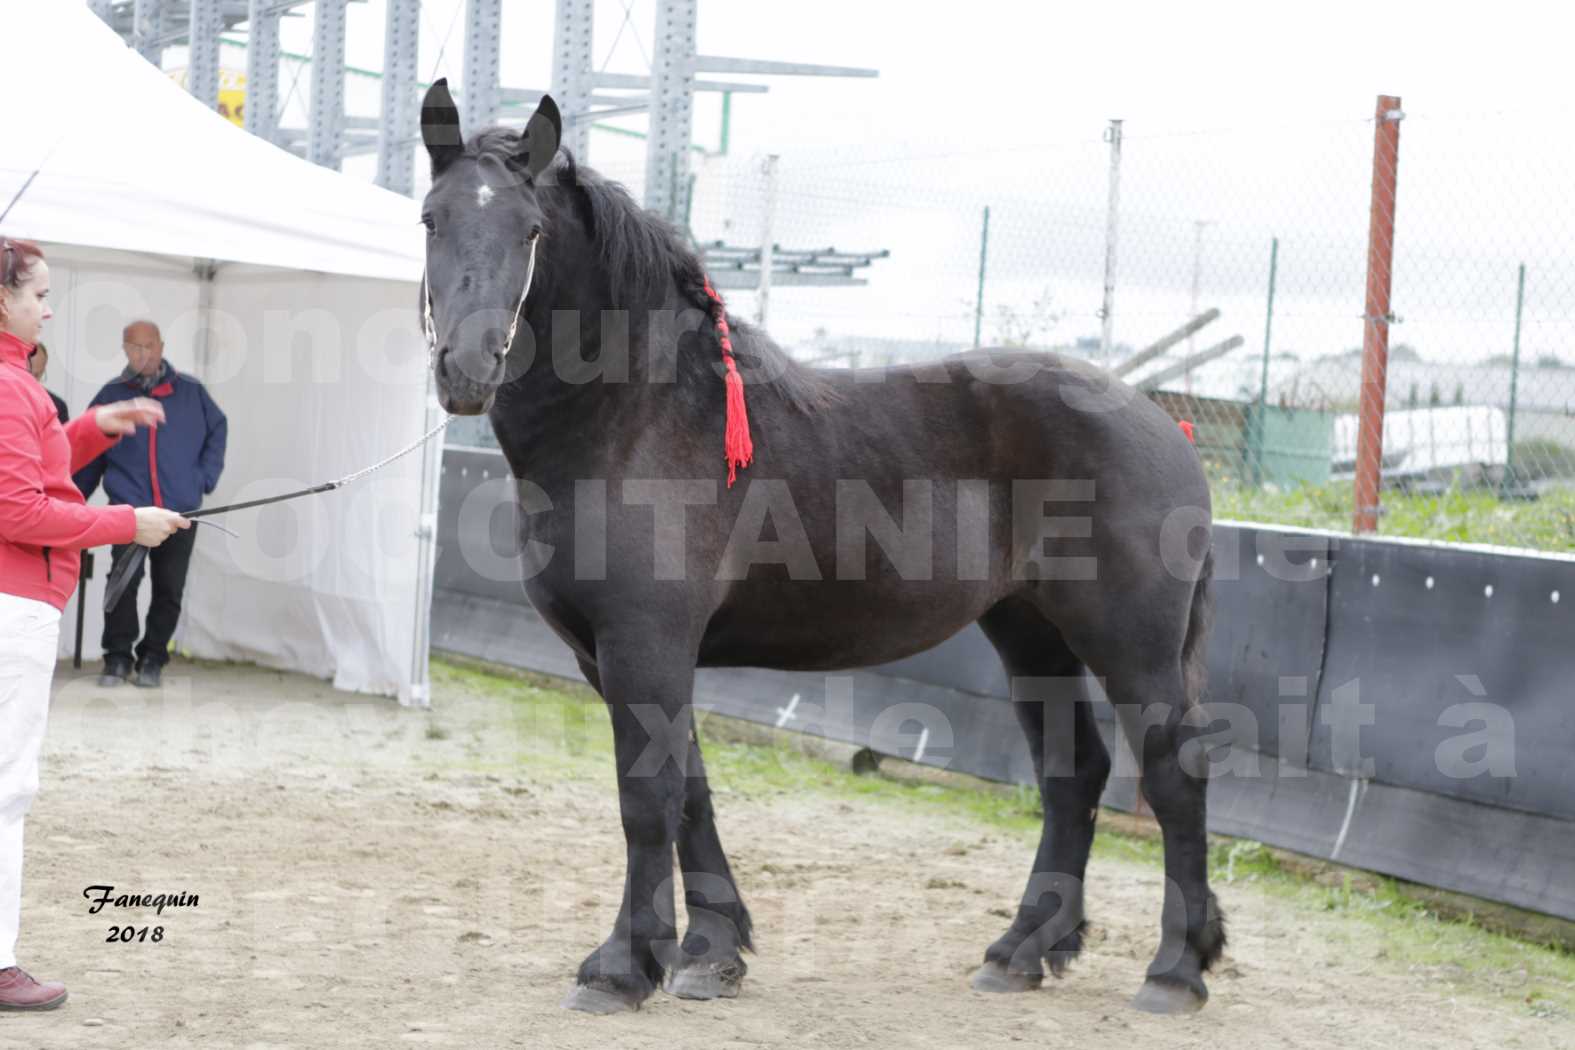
(461, 391)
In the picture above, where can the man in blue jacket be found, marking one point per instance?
(173, 466)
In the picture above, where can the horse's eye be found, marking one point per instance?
(426, 220)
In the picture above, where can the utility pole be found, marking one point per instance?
(767, 244)
(1197, 270)
(1107, 311)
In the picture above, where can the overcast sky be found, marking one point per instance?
(1252, 117)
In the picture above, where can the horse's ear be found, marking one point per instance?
(539, 143)
(440, 127)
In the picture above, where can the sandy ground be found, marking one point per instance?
(368, 880)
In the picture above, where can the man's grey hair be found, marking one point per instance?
(143, 321)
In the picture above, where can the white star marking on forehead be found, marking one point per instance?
(483, 195)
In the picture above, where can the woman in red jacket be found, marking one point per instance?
(44, 523)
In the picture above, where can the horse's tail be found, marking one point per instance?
(1194, 655)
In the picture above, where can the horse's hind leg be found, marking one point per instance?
(1192, 929)
(709, 963)
(1070, 765)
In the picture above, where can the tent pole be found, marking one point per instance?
(206, 270)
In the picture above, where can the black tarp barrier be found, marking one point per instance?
(1449, 647)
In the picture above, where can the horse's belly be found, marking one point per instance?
(836, 625)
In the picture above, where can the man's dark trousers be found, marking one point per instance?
(169, 561)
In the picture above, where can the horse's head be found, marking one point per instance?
(482, 215)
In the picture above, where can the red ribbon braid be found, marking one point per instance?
(738, 446)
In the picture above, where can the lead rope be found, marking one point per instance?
(530, 275)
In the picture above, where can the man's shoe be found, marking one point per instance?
(18, 991)
(149, 676)
(116, 670)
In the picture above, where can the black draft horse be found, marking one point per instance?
(609, 406)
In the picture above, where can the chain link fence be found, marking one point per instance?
(1264, 234)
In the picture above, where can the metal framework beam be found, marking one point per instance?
(634, 80)
(300, 136)
(147, 30)
(171, 21)
(262, 70)
(516, 97)
(279, 7)
(628, 109)
(202, 69)
(816, 262)
(573, 75)
(718, 64)
(672, 108)
(479, 102)
(105, 9)
(325, 126)
(397, 128)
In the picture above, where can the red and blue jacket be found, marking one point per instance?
(173, 466)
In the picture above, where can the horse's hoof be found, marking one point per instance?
(588, 1000)
(1168, 997)
(705, 982)
(995, 977)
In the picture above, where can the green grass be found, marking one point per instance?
(1390, 924)
(1459, 515)
(560, 730)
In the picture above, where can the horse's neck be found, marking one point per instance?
(599, 379)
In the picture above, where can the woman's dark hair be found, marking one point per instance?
(16, 261)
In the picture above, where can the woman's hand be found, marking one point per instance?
(123, 417)
(155, 525)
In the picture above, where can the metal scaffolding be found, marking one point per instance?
(479, 97)
(262, 69)
(326, 119)
(400, 109)
(672, 108)
(572, 71)
(742, 266)
(202, 68)
(147, 29)
(584, 95)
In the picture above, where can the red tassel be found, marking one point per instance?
(1186, 428)
(738, 447)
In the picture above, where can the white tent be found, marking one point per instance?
(290, 291)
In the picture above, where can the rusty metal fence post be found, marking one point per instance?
(1376, 317)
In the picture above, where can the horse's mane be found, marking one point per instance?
(644, 256)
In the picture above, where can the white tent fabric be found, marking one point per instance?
(290, 291)
(132, 162)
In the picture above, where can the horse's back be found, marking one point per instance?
(1001, 414)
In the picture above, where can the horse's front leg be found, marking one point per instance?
(648, 694)
(710, 964)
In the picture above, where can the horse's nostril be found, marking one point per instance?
(442, 363)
